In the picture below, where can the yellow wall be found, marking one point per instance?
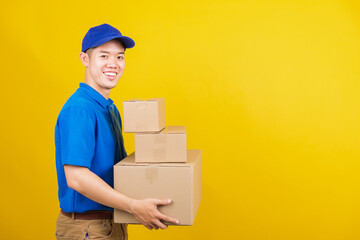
(269, 90)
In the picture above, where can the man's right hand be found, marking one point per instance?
(147, 213)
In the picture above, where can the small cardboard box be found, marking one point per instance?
(144, 115)
(167, 146)
(180, 182)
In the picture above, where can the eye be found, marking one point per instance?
(120, 57)
(103, 56)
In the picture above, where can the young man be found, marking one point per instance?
(88, 140)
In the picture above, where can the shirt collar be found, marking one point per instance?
(96, 95)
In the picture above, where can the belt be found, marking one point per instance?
(90, 215)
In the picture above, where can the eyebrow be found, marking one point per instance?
(109, 52)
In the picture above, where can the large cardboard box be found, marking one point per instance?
(167, 146)
(180, 182)
(144, 115)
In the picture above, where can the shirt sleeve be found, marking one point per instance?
(77, 136)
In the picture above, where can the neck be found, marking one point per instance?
(104, 92)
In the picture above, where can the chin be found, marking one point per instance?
(111, 86)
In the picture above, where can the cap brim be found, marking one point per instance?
(126, 41)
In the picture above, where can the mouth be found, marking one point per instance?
(110, 75)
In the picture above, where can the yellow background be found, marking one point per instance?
(269, 90)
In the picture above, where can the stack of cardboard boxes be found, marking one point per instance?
(161, 166)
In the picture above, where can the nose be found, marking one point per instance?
(111, 62)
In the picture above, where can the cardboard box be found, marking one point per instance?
(144, 115)
(167, 146)
(180, 182)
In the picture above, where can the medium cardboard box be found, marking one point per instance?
(169, 145)
(144, 115)
(180, 182)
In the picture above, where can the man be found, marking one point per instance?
(88, 140)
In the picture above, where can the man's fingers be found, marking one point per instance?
(162, 202)
(169, 219)
(153, 226)
(160, 224)
(148, 227)
(151, 217)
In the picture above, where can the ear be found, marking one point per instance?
(84, 57)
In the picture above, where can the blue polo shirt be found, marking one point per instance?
(88, 133)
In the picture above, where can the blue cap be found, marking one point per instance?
(101, 34)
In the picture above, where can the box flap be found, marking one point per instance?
(175, 129)
(192, 155)
(168, 130)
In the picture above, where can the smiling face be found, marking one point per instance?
(105, 65)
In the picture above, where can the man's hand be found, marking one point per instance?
(146, 212)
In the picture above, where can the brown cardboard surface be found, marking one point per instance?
(169, 145)
(144, 115)
(180, 182)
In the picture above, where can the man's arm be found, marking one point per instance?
(82, 180)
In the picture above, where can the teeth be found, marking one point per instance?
(110, 74)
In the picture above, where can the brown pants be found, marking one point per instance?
(79, 229)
